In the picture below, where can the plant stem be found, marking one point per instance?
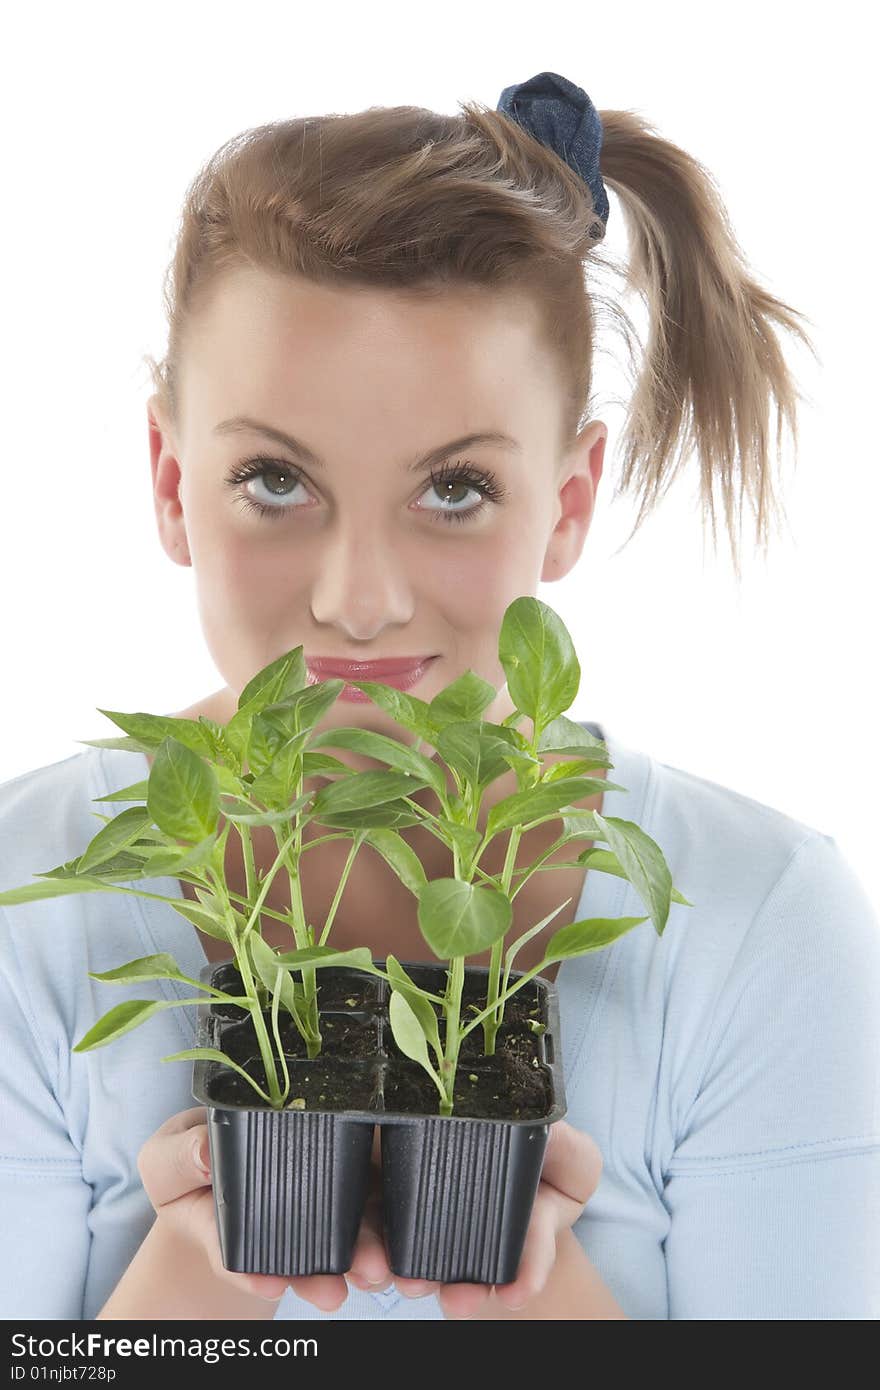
(493, 1020)
(504, 996)
(302, 935)
(343, 879)
(453, 1039)
(241, 959)
(260, 1028)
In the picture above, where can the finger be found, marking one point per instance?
(463, 1300)
(174, 1162)
(326, 1291)
(184, 1119)
(369, 1264)
(196, 1210)
(572, 1164)
(539, 1252)
(416, 1288)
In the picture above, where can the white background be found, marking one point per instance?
(769, 688)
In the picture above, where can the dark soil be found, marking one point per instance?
(526, 1003)
(514, 1039)
(326, 1083)
(336, 990)
(501, 1089)
(357, 1040)
(347, 991)
(352, 1036)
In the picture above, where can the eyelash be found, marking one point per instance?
(460, 472)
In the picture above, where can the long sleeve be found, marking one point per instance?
(773, 1191)
(44, 1200)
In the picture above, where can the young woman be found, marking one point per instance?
(370, 434)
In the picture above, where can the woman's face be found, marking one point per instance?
(360, 555)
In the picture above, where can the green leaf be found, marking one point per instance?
(321, 764)
(272, 729)
(539, 660)
(222, 748)
(532, 931)
(643, 863)
(172, 860)
(407, 1029)
(136, 792)
(183, 796)
(392, 815)
(564, 735)
(464, 699)
(276, 785)
(213, 1054)
(542, 800)
(204, 919)
(123, 1017)
(580, 825)
(607, 862)
(266, 962)
(388, 750)
(148, 732)
(244, 813)
(52, 888)
(160, 967)
(465, 838)
(116, 834)
(358, 956)
(477, 755)
(575, 768)
(589, 935)
(402, 858)
(364, 789)
(281, 678)
(406, 710)
(311, 704)
(420, 1005)
(462, 919)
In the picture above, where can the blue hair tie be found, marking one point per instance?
(561, 116)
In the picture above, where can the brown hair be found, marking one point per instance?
(419, 202)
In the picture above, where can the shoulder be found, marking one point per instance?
(773, 972)
(41, 808)
(726, 851)
(48, 815)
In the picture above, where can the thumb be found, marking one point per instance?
(572, 1162)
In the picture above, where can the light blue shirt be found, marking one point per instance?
(729, 1071)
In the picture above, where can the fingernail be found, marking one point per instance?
(201, 1157)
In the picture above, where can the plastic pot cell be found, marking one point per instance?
(457, 1191)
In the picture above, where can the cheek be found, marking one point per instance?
(467, 579)
(243, 603)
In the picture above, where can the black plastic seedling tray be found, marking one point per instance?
(290, 1185)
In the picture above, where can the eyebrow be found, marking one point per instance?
(244, 424)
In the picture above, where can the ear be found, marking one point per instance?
(166, 485)
(578, 482)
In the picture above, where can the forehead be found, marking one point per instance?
(261, 339)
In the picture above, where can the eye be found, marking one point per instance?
(450, 478)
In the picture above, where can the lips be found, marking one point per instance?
(402, 672)
(366, 670)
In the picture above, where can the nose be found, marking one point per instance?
(360, 584)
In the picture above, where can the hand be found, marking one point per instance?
(178, 1184)
(569, 1177)
(174, 1165)
(175, 1170)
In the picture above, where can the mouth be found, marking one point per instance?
(402, 673)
